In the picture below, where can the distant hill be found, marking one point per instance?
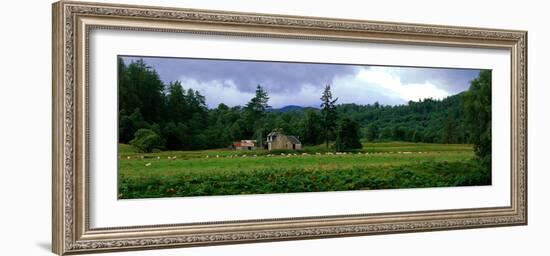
(290, 108)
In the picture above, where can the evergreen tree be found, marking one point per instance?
(449, 132)
(255, 109)
(259, 103)
(477, 104)
(329, 114)
(347, 135)
(140, 87)
(311, 128)
(176, 103)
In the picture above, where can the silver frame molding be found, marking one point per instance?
(72, 22)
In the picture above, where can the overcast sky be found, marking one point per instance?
(233, 81)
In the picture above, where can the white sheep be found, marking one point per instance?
(147, 164)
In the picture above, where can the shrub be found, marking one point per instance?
(145, 140)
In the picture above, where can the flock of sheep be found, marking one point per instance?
(282, 155)
(285, 155)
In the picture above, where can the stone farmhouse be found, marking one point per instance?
(279, 140)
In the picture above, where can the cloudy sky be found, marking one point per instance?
(233, 81)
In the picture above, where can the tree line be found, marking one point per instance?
(167, 116)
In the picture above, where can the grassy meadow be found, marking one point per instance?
(384, 165)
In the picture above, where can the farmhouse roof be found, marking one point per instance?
(294, 140)
(273, 133)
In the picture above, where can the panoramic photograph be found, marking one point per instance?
(211, 127)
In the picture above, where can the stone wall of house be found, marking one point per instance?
(280, 142)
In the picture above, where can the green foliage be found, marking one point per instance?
(258, 104)
(177, 105)
(255, 111)
(276, 180)
(347, 135)
(140, 88)
(477, 103)
(421, 121)
(373, 132)
(329, 114)
(311, 129)
(449, 132)
(145, 140)
(129, 124)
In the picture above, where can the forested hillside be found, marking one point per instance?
(437, 121)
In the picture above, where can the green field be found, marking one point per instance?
(226, 172)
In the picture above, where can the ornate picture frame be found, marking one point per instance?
(72, 24)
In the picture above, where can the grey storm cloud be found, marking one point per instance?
(290, 83)
(449, 79)
(277, 77)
